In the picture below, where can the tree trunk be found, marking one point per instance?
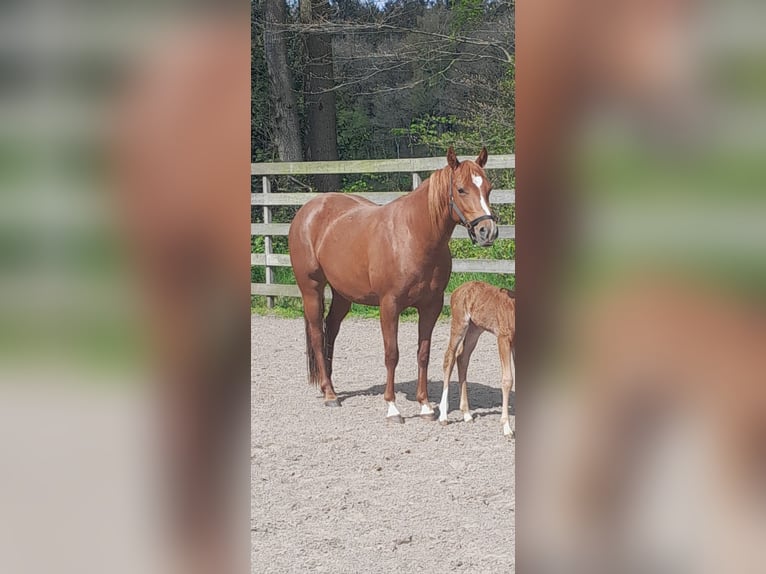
(321, 137)
(287, 129)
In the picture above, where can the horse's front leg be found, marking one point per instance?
(389, 324)
(427, 317)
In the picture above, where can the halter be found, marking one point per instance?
(469, 225)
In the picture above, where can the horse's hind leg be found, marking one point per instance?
(338, 311)
(505, 348)
(313, 312)
(463, 358)
(458, 329)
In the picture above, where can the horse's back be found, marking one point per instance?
(320, 212)
(489, 307)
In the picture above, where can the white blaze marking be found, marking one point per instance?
(426, 410)
(484, 205)
(444, 405)
(478, 181)
(392, 410)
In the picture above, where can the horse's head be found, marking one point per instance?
(469, 197)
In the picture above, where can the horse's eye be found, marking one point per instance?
(461, 191)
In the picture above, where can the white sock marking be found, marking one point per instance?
(444, 405)
(467, 417)
(392, 410)
(426, 410)
(484, 206)
(507, 428)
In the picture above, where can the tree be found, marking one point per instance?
(319, 93)
(287, 130)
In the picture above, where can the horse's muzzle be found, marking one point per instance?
(486, 232)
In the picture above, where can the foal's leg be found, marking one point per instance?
(338, 311)
(469, 344)
(389, 324)
(427, 317)
(509, 377)
(313, 311)
(458, 328)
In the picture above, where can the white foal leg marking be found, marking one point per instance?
(392, 410)
(426, 410)
(444, 404)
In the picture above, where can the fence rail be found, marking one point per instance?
(411, 165)
(267, 200)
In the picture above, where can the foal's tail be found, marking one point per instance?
(311, 358)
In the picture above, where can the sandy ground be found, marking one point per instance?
(341, 490)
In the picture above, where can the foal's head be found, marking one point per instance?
(469, 197)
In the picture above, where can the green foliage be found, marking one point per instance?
(282, 275)
(357, 183)
(466, 14)
(354, 133)
(501, 249)
(488, 125)
(356, 186)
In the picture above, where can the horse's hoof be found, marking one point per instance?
(395, 419)
(428, 416)
(332, 403)
(444, 423)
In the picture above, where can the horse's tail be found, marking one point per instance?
(311, 358)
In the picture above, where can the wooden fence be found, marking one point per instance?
(415, 166)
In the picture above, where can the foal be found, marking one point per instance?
(478, 307)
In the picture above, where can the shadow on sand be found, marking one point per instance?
(480, 396)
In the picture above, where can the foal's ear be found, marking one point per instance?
(481, 161)
(452, 158)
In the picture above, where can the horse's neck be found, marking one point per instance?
(440, 233)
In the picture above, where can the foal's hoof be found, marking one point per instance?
(444, 422)
(395, 419)
(332, 403)
(428, 416)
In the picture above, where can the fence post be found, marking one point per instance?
(416, 181)
(267, 243)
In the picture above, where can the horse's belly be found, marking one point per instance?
(355, 291)
(351, 280)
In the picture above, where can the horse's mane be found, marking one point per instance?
(438, 195)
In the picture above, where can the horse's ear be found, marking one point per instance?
(452, 158)
(481, 161)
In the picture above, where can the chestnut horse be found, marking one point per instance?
(478, 307)
(392, 256)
